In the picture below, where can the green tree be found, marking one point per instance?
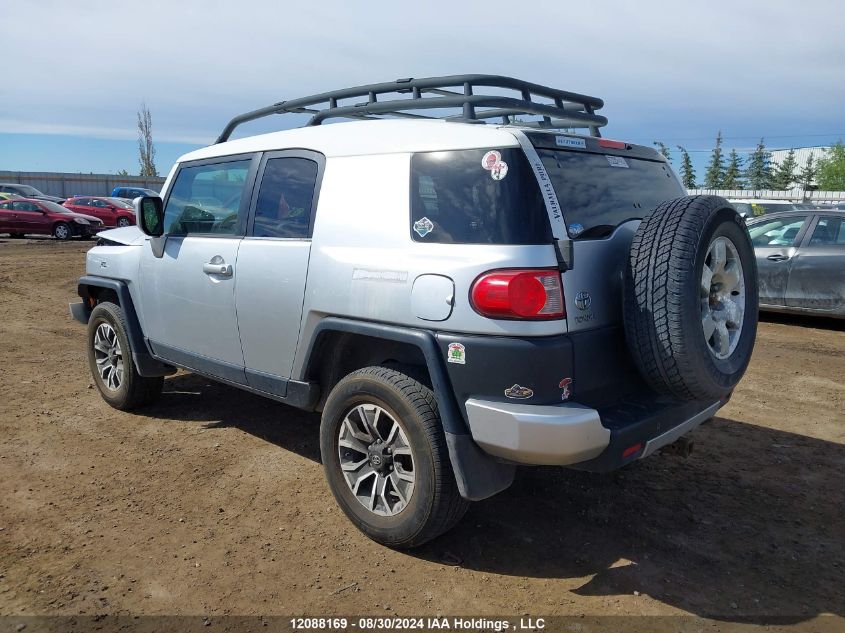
(733, 172)
(784, 174)
(831, 169)
(146, 149)
(715, 175)
(123, 172)
(687, 172)
(759, 172)
(807, 175)
(661, 147)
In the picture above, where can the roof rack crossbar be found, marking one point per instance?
(462, 92)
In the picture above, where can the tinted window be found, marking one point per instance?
(828, 231)
(599, 192)
(285, 198)
(457, 199)
(206, 199)
(779, 232)
(27, 206)
(83, 202)
(98, 203)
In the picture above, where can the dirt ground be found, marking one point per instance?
(213, 501)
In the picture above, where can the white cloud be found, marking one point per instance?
(763, 67)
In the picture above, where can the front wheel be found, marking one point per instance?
(385, 457)
(61, 231)
(111, 364)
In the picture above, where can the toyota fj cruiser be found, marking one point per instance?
(456, 294)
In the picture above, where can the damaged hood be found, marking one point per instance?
(127, 235)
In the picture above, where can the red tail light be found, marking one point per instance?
(519, 294)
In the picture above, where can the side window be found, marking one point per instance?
(285, 198)
(98, 203)
(780, 232)
(828, 231)
(206, 199)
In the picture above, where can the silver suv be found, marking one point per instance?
(456, 294)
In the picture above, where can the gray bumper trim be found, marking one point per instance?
(537, 434)
(683, 428)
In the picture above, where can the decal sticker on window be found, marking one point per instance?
(423, 227)
(570, 141)
(564, 386)
(457, 354)
(575, 230)
(518, 392)
(616, 161)
(490, 158)
(499, 170)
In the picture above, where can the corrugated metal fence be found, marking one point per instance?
(794, 195)
(66, 185)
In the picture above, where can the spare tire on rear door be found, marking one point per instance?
(691, 298)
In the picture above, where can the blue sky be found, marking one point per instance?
(671, 71)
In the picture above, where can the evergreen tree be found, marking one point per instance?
(687, 172)
(733, 172)
(807, 175)
(831, 169)
(661, 147)
(785, 173)
(759, 172)
(146, 147)
(715, 174)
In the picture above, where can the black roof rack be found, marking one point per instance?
(566, 110)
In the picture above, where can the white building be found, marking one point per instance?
(801, 156)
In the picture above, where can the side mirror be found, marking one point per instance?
(149, 215)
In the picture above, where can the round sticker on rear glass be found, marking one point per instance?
(499, 170)
(490, 159)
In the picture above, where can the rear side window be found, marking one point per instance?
(285, 198)
(483, 196)
(598, 192)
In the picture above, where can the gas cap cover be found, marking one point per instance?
(433, 297)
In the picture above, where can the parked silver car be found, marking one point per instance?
(801, 261)
(455, 296)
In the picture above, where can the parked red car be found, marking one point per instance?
(112, 211)
(24, 216)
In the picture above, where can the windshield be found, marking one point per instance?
(52, 206)
(119, 202)
(598, 192)
(28, 191)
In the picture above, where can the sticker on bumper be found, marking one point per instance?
(518, 392)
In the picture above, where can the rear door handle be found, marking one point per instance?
(223, 270)
(777, 257)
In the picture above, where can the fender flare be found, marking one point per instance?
(477, 474)
(146, 364)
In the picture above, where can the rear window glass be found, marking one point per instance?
(484, 196)
(598, 192)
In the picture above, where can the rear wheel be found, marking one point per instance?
(111, 364)
(121, 222)
(385, 458)
(61, 231)
(691, 298)
(16, 236)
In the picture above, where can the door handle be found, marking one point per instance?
(777, 257)
(223, 270)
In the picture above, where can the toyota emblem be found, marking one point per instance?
(583, 300)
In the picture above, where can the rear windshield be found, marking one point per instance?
(479, 196)
(598, 192)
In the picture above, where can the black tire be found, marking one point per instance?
(16, 236)
(664, 306)
(121, 222)
(134, 390)
(62, 231)
(435, 505)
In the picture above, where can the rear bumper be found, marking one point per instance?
(575, 435)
